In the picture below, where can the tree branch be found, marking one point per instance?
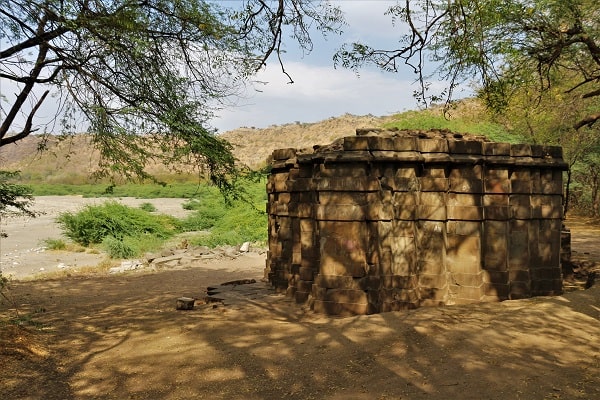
(28, 124)
(587, 121)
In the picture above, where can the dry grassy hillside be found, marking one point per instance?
(253, 146)
(72, 161)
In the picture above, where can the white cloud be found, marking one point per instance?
(367, 22)
(318, 93)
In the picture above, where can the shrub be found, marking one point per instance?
(118, 248)
(148, 207)
(231, 223)
(94, 223)
(55, 244)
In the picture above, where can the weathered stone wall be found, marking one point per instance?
(390, 220)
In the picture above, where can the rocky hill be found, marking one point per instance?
(72, 161)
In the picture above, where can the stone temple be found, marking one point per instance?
(389, 220)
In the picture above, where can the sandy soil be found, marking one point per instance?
(120, 337)
(23, 253)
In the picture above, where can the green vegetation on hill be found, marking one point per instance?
(465, 118)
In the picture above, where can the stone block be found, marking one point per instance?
(335, 156)
(499, 213)
(399, 281)
(403, 228)
(432, 145)
(462, 267)
(340, 212)
(547, 287)
(342, 309)
(437, 199)
(344, 170)
(463, 199)
(465, 213)
(465, 147)
(428, 184)
(518, 275)
(496, 149)
(496, 291)
(397, 306)
(520, 186)
(403, 184)
(495, 277)
(463, 249)
(464, 228)
(306, 273)
(465, 185)
(473, 280)
(497, 186)
(495, 262)
(520, 205)
(408, 295)
(305, 171)
(467, 293)
(399, 144)
(519, 290)
(352, 143)
(496, 172)
(520, 150)
(433, 281)
(347, 184)
(396, 156)
(406, 171)
(337, 198)
(330, 281)
(430, 241)
(405, 213)
(554, 187)
(379, 211)
(430, 267)
(467, 172)
(301, 297)
(283, 154)
(433, 213)
(346, 296)
(546, 273)
(304, 286)
(496, 199)
(518, 250)
(434, 171)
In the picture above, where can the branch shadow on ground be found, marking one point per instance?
(121, 337)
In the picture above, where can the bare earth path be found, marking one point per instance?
(120, 337)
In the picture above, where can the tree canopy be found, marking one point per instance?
(501, 45)
(144, 76)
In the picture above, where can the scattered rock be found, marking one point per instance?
(185, 303)
(128, 265)
(245, 247)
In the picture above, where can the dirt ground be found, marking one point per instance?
(100, 336)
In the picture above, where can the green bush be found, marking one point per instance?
(94, 223)
(209, 207)
(148, 207)
(55, 244)
(125, 232)
(230, 223)
(119, 248)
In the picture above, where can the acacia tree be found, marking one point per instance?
(499, 44)
(144, 76)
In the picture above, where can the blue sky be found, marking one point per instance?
(319, 90)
